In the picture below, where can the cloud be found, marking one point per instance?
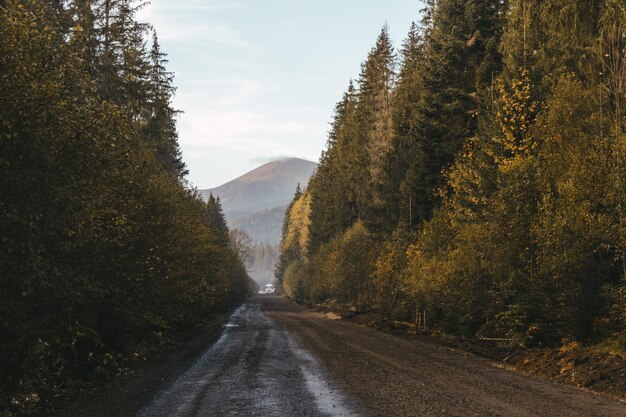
(259, 160)
(240, 128)
(165, 8)
(232, 113)
(191, 21)
(195, 5)
(216, 33)
(235, 92)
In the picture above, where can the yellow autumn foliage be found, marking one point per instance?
(299, 223)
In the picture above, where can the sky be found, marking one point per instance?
(258, 80)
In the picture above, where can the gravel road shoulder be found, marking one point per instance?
(403, 376)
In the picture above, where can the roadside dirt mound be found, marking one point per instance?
(599, 372)
(377, 321)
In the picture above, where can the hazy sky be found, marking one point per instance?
(258, 79)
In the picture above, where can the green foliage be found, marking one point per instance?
(482, 179)
(216, 219)
(516, 115)
(376, 131)
(552, 38)
(294, 281)
(337, 197)
(357, 254)
(391, 279)
(576, 235)
(449, 275)
(457, 73)
(341, 270)
(104, 253)
(294, 239)
(324, 282)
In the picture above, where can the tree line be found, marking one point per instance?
(106, 251)
(476, 177)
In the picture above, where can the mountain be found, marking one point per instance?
(266, 187)
(263, 226)
(256, 203)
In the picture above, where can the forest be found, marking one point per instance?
(474, 179)
(107, 253)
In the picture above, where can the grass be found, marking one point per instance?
(615, 345)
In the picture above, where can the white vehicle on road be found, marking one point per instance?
(270, 289)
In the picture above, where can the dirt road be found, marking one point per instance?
(256, 368)
(278, 359)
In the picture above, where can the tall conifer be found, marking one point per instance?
(376, 130)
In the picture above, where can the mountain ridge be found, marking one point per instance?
(266, 187)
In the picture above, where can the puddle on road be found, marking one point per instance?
(328, 400)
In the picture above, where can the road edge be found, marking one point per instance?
(127, 394)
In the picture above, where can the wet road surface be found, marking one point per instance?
(275, 358)
(255, 369)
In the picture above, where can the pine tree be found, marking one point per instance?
(102, 250)
(122, 69)
(351, 160)
(288, 254)
(461, 62)
(135, 75)
(550, 38)
(376, 130)
(336, 189)
(84, 33)
(404, 160)
(160, 130)
(215, 217)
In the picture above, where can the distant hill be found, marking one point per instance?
(256, 203)
(264, 226)
(266, 187)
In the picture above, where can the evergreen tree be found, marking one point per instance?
(84, 34)
(104, 254)
(483, 185)
(336, 188)
(215, 217)
(376, 131)
(461, 62)
(287, 253)
(550, 38)
(160, 130)
(405, 159)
